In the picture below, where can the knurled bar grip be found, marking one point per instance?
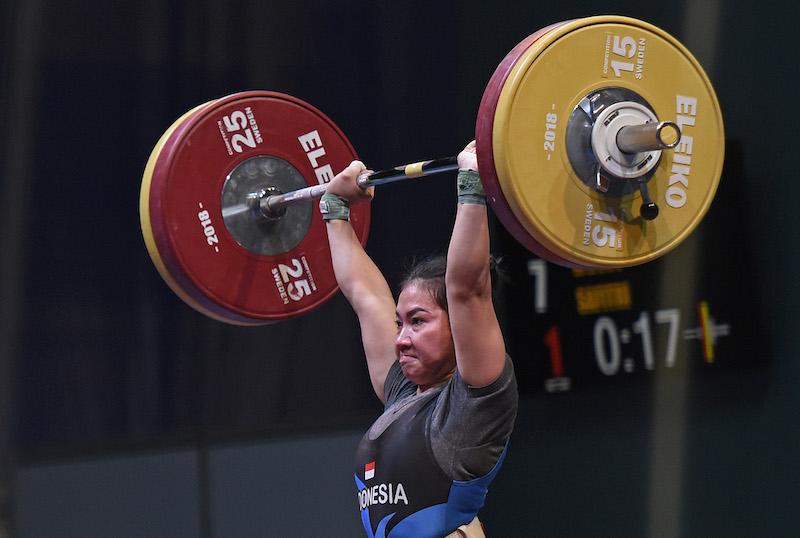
(272, 205)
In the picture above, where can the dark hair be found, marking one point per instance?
(430, 271)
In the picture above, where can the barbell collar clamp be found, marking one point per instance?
(255, 199)
(649, 210)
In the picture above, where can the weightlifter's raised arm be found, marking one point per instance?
(359, 279)
(479, 346)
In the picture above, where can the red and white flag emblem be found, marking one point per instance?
(369, 470)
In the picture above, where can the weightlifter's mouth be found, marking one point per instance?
(405, 359)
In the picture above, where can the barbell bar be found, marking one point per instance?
(631, 139)
(588, 130)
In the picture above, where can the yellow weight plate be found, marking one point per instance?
(561, 211)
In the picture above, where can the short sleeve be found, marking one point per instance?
(470, 426)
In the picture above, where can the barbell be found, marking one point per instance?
(600, 142)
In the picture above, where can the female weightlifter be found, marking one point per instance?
(437, 361)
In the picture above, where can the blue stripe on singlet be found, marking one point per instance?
(465, 499)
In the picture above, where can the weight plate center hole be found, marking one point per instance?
(248, 183)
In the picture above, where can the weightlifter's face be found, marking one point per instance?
(424, 342)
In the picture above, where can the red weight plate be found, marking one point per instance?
(225, 279)
(483, 138)
(147, 228)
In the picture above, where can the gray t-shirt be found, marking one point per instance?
(469, 427)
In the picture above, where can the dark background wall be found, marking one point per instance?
(125, 413)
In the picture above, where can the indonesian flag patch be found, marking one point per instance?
(369, 470)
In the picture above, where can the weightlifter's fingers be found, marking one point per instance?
(468, 158)
(344, 183)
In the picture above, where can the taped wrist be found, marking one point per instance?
(470, 188)
(334, 207)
